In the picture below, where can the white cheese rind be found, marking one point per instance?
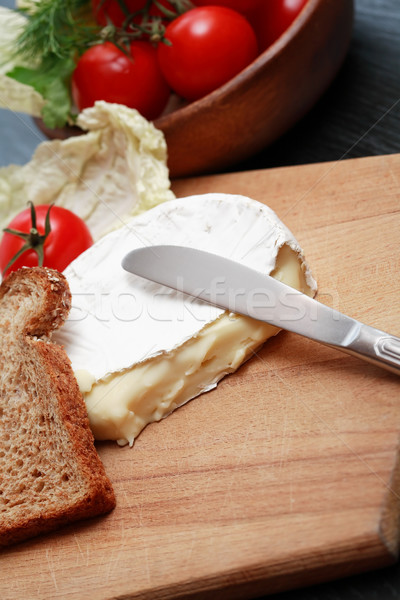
(119, 320)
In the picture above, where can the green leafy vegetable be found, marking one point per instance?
(57, 27)
(52, 80)
(56, 32)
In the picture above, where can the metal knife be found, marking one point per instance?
(235, 287)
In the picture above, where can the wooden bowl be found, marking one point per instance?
(257, 106)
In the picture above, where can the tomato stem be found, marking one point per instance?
(33, 239)
(150, 27)
(123, 7)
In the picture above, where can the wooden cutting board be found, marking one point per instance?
(288, 473)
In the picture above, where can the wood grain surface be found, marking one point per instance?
(287, 473)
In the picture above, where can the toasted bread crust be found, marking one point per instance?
(34, 302)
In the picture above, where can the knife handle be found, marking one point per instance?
(377, 347)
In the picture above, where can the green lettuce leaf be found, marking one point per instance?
(51, 79)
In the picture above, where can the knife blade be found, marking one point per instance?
(232, 286)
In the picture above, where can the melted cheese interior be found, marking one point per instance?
(122, 404)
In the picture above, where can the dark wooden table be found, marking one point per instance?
(358, 116)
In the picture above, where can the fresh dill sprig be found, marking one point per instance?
(56, 33)
(57, 27)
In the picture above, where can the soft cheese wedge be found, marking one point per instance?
(140, 350)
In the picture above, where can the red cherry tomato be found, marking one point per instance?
(270, 19)
(209, 46)
(110, 10)
(104, 72)
(242, 6)
(69, 237)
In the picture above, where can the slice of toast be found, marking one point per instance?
(50, 472)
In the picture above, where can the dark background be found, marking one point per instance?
(360, 113)
(358, 116)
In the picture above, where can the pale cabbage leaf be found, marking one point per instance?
(113, 171)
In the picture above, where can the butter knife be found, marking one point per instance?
(232, 286)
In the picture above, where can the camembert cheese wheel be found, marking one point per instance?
(140, 350)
